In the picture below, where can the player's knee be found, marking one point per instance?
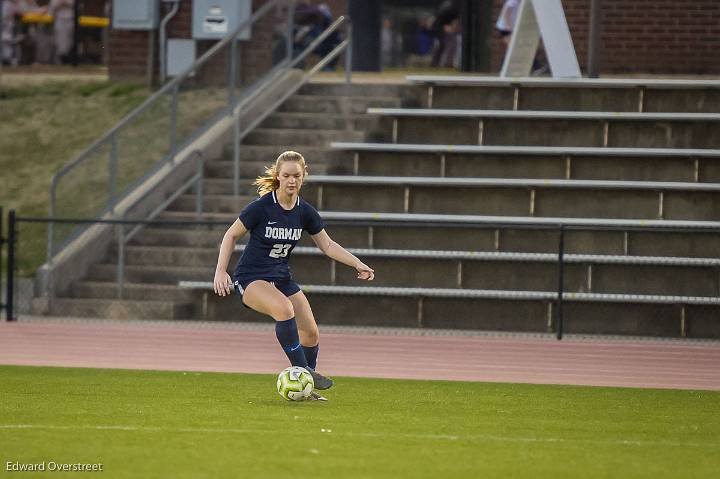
(284, 311)
(310, 336)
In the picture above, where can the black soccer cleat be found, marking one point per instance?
(321, 382)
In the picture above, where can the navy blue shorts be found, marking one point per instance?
(286, 286)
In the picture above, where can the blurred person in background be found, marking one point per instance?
(447, 13)
(310, 22)
(425, 36)
(386, 43)
(506, 20)
(18, 39)
(451, 54)
(8, 52)
(63, 12)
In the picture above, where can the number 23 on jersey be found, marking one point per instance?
(280, 250)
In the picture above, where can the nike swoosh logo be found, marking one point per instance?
(296, 347)
(272, 222)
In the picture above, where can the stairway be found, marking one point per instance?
(159, 257)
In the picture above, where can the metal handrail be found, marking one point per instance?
(559, 298)
(165, 89)
(111, 135)
(289, 91)
(314, 44)
(123, 238)
(197, 179)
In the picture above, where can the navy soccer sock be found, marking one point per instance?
(311, 353)
(287, 335)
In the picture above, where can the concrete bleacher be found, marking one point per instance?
(610, 95)
(456, 199)
(436, 169)
(551, 128)
(626, 164)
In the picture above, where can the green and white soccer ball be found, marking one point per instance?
(295, 383)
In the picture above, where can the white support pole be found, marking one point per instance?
(538, 19)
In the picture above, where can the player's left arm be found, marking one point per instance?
(338, 253)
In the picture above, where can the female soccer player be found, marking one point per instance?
(262, 276)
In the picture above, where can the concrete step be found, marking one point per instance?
(336, 104)
(225, 167)
(216, 203)
(168, 275)
(216, 186)
(513, 201)
(130, 291)
(121, 309)
(661, 320)
(693, 244)
(577, 99)
(494, 201)
(556, 132)
(356, 89)
(204, 237)
(527, 275)
(266, 154)
(319, 137)
(620, 168)
(320, 121)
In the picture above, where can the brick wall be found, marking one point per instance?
(643, 36)
(129, 50)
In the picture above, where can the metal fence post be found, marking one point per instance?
(2, 245)
(113, 173)
(232, 80)
(199, 189)
(348, 54)
(121, 260)
(51, 225)
(290, 27)
(236, 155)
(10, 295)
(173, 121)
(561, 269)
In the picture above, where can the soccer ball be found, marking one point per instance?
(295, 383)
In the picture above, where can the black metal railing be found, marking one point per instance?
(561, 229)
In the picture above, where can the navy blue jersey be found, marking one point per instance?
(274, 232)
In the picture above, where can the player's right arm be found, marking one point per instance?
(223, 282)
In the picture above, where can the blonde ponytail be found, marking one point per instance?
(269, 181)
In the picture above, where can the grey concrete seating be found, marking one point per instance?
(477, 80)
(511, 183)
(479, 293)
(384, 234)
(550, 128)
(500, 233)
(516, 197)
(639, 164)
(444, 219)
(513, 256)
(584, 273)
(499, 310)
(640, 95)
(516, 271)
(543, 114)
(528, 150)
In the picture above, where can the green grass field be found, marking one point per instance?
(175, 424)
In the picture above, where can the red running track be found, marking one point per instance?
(229, 348)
